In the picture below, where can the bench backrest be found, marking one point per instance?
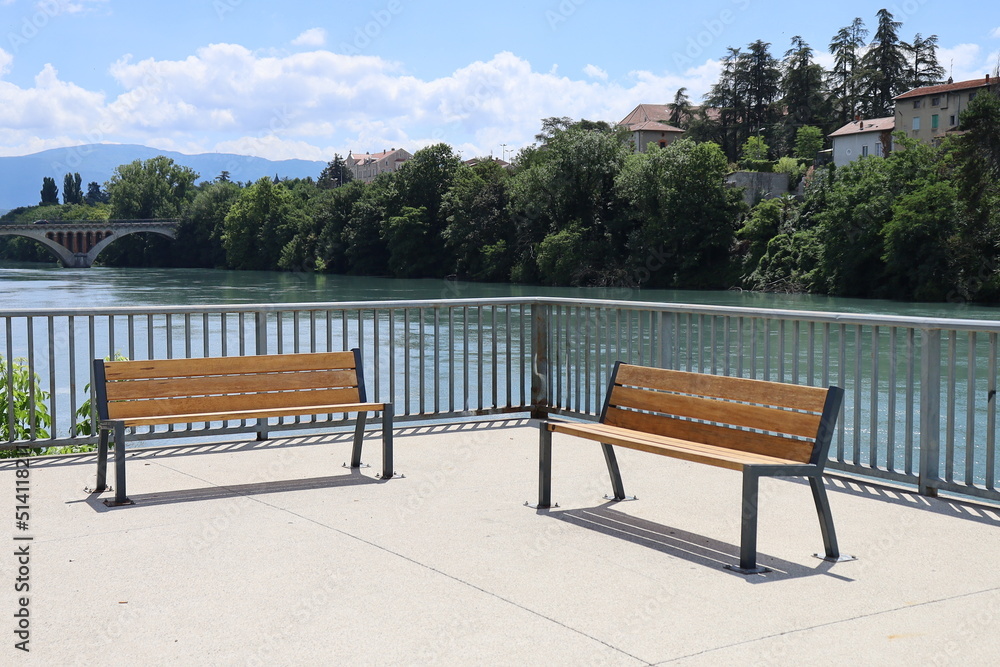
(787, 421)
(129, 389)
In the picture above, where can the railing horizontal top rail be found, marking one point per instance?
(819, 317)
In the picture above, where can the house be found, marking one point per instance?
(649, 123)
(871, 136)
(929, 112)
(366, 167)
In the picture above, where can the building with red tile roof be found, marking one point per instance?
(929, 112)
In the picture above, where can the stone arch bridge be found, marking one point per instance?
(77, 243)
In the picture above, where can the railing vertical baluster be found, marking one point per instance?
(951, 382)
(796, 347)
(842, 382)
(376, 355)
(437, 360)
(858, 353)
(53, 403)
(873, 399)
(71, 344)
(406, 361)
(991, 415)
(509, 359)
(890, 413)
(911, 348)
(930, 409)
(32, 418)
(970, 411)
(392, 356)
(421, 361)
(480, 366)
(451, 359)
(465, 358)
(494, 340)
(260, 331)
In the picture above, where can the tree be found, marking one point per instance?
(570, 182)
(808, 142)
(680, 109)
(884, 67)
(845, 77)
(917, 242)
(726, 97)
(802, 92)
(155, 188)
(203, 225)
(478, 230)
(95, 195)
(258, 225)
(682, 215)
(922, 68)
(421, 183)
(335, 174)
(72, 189)
(758, 81)
(50, 193)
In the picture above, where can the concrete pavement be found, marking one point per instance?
(245, 553)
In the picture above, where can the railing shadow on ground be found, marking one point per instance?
(684, 545)
(341, 435)
(353, 478)
(958, 508)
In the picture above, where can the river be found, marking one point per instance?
(40, 287)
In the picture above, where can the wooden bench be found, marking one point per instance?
(764, 429)
(213, 389)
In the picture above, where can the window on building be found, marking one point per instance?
(864, 151)
(934, 122)
(951, 120)
(663, 144)
(916, 104)
(916, 123)
(936, 101)
(878, 149)
(972, 95)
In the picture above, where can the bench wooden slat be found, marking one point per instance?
(230, 384)
(252, 414)
(722, 457)
(265, 363)
(228, 403)
(718, 386)
(720, 436)
(710, 409)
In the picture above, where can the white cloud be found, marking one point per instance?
(311, 37)
(595, 72)
(309, 105)
(5, 61)
(995, 32)
(966, 61)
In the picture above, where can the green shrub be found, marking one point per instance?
(24, 385)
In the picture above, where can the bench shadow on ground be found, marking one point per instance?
(687, 546)
(352, 478)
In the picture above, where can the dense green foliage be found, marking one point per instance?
(30, 416)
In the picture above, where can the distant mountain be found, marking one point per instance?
(21, 177)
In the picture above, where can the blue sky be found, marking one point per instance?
(309, 79)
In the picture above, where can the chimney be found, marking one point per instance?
(987, 78)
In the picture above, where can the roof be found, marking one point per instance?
(367, 158)
(866, 125)
(654, 126)
(946, 88)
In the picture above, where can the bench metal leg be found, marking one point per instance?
(616, 477)
(120, 497)
(359, 436)
(102, 461)
(387, 465)
(748, 530)
(826, 523)
(544, 469)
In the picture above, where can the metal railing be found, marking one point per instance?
(921, 392)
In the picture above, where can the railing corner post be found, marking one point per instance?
(930, 410)
(540, 318)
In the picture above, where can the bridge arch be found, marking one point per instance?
(77, 243)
